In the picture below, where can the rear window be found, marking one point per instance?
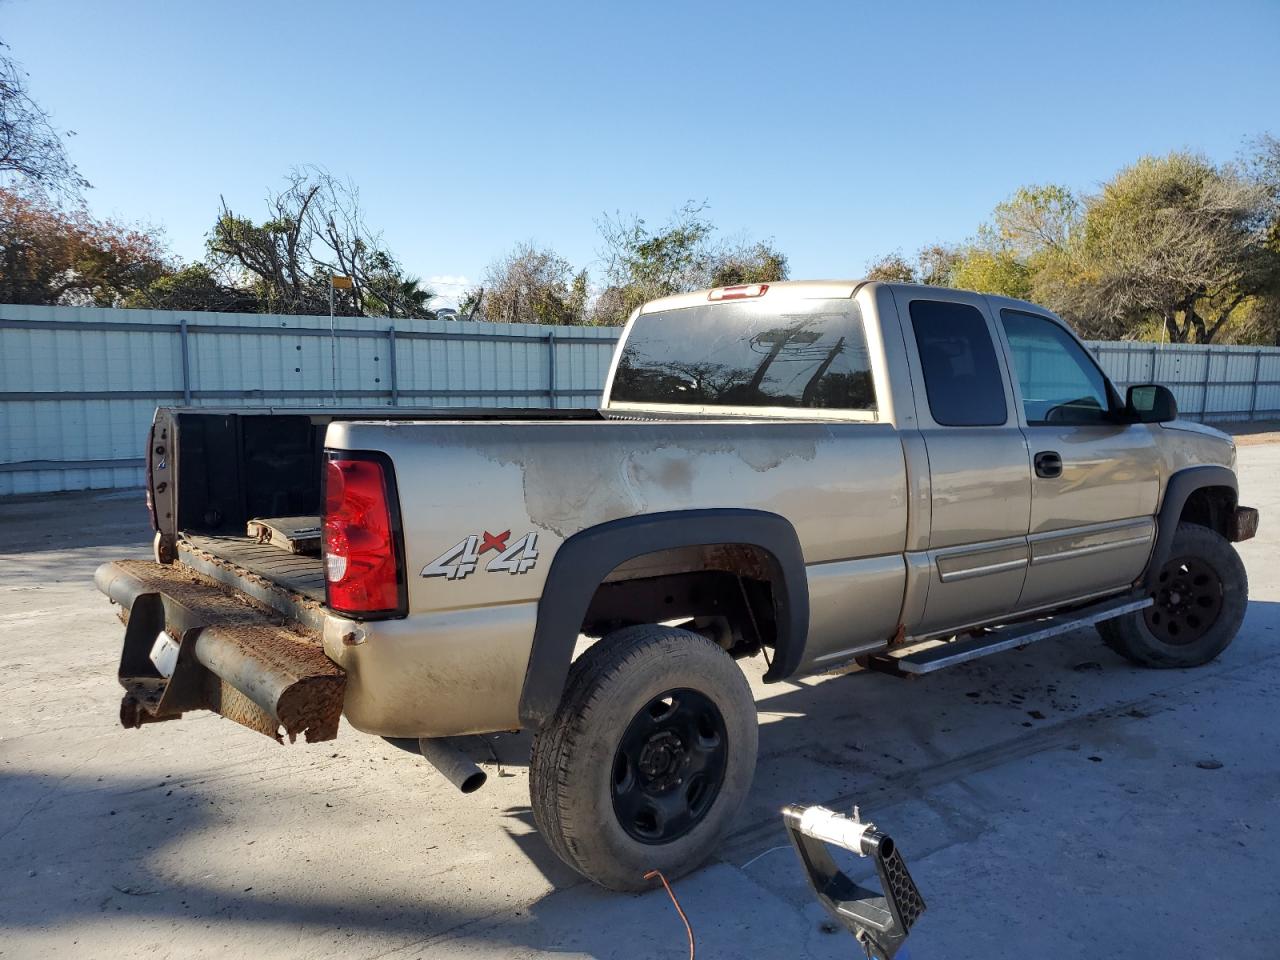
(804, 354)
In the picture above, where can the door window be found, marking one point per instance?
(961, 375)
(1059, 382)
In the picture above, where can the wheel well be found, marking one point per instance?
(750, 545)
(723, 591)
(1210, 507)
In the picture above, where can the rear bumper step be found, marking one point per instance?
(233, 658)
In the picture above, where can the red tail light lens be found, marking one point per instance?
(363, 572)
(741, 291)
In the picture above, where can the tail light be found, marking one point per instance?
(363, 562)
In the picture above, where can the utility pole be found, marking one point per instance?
(811, 387)
(336, 282)
(779, 340)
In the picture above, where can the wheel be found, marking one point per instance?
(648, 757)
(1199, 602)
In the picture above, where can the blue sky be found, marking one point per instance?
(839, 130)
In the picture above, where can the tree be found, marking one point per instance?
(314, 231)
(891, 268)
(1175, 244)
(193, 287)
(531, 284)
(998, 271)
(390, 292)
(31, 148)
(1024, 232)
(52, 256)
(1036, 219)
(1260, 320)
(747, 263)
(933, 266)
(470, 304)
(1175, 239)
(642, 263)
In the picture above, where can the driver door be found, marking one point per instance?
(1095, 482)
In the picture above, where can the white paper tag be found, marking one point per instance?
(164, 654)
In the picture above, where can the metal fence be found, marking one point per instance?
(78, 385)
(1213, 384)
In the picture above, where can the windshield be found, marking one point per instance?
(799, 354)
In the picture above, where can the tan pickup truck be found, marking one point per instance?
(808, 472)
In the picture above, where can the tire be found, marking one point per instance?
(1200, 601)
(611, 771)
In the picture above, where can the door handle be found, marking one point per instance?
(1048, 464)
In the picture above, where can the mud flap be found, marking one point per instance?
(233, 657)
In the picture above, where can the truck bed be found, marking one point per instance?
(291, 584)
(237, 466)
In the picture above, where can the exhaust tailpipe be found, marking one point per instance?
(445, 755)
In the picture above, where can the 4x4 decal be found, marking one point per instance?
(460, 560)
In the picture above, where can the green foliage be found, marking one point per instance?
(643, 264)
(52, 255)
(531, 284)
(193, 287)
(992, 271)
(1176, 239)
(891, 268)
(1172, 246)
(314, 231)
(1035, 219)
(752, 263)
(933, 266)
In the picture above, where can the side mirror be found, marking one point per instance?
(1151, 403)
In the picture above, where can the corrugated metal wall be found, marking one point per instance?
(1212, 383)
(78, 385)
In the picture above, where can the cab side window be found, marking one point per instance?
(1059, 382)
(961, 375)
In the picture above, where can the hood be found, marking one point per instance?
(1188, 443)
(1190, 426)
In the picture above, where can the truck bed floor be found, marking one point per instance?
(296, 572)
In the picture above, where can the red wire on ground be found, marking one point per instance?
(672, 894)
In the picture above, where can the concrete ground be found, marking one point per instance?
(1051, 802)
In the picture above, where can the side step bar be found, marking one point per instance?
(1000, 639)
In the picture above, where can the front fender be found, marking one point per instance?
(1180, 487)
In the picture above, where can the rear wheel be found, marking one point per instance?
(1198, 605)
(649, 756)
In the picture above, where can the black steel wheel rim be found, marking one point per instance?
(669, 766)
(1186, 602)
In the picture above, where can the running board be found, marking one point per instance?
(1000, 639)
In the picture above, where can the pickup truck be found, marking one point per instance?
(814, 473)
